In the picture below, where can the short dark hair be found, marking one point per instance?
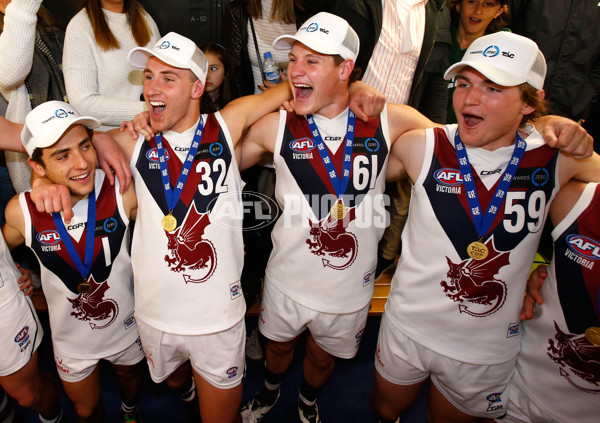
(531, 96)
(36, 156)
(354, 76)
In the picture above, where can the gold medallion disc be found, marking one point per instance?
(592, 334)
(477, 250)
(169, 223)
(338, 211)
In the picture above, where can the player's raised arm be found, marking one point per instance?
(111, 157)
(402, 118)
(244, 111)
(258, 142)
(406, 156)
(584, 170)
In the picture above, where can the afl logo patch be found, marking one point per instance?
(152, 155)
(235, 290)
(495, 397)
(129, 322)
(447, 176)
(491, 51)
(22, 335)
(584, 246)
(49, 237)
(232, 372)
(302, 145)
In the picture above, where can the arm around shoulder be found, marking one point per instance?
(406, 155)
(244, 111)
(259, 141)
(130, 202)
(584, 170)
(402, 118)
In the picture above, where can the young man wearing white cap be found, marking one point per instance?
(556, 376)
(331, 171)
(453, 311)
(187, 246)
(85, 265)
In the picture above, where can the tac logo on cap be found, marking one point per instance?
(326, 34)
(505, 58)
(175, 50)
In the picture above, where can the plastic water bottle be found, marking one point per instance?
(271, 69)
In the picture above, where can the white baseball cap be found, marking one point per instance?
(175, 50)
(45, 124)
(324, 33)
(505, 58)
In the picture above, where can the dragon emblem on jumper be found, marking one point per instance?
(330, 239)
(189, 250)
(91, 306)
(577, 357)
(472, 283)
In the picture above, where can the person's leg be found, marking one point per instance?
(317, 368)
(317, 365)
(181, 381)
(86, 395)
(440, 410)
(278, 357)
(390, 400)
(218, 405)
(130, 382)
(33, 389)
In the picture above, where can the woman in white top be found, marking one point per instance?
(30, 70)
(98, 79)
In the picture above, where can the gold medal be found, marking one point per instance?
(84, 287)
(592, 334)
(477, 250)
(169, 223)
(338, 211)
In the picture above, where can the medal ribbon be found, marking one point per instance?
(90, 234)
(483, 223)
(339, 183)
(172, 195)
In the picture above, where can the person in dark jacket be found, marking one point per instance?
(567, 33)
